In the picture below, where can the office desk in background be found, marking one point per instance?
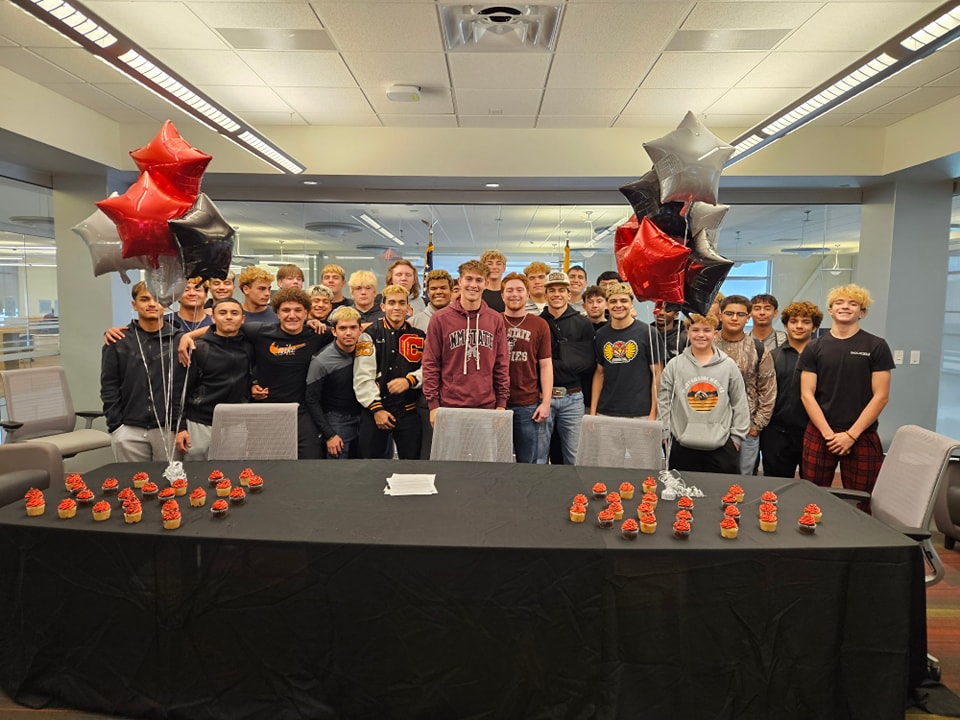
(323, 598)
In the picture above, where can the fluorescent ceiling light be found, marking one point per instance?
(934, 31)
(374, 225)
(106, 43)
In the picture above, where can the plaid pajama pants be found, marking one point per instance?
(858, 470)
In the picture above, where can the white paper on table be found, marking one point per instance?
(410, 484)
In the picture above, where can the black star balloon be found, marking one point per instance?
(643, 195)
(204, 240)
(706, 271)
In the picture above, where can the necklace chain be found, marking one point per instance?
(522, 318)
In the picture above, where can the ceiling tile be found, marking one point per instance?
(920, 99)
(871, 99)
(497, 121)
(701, 70)
(928, 70)
(8, 43)
(430, 121)
(574, 121)
(244, 99)
(140, 98)
(749, 15)
(156, 25)
(762, 101)
(79, 62)
(796, 69)
(263, 119)
(326, 102)
(280, 15)
(210, 67)
(27, 30)
(833, 119)
(509, 102)
(428, 70)
(507, 71)
(878, 120)
(296, 69)
(382, 27)
(335, 117)
(600, 70)
(857, 26)
(601, 102)
(671, 102)
(432, 102)
(737, 120)
(619, 27)
(100, 102)
(33, 67)
(948, 80)
(654, 119)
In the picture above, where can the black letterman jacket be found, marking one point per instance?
(382, 355)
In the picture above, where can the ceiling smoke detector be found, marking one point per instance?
(500, 28)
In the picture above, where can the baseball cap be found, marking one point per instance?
(557, 277)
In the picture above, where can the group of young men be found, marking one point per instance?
(370, 371)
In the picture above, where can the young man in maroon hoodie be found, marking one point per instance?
(466, 361)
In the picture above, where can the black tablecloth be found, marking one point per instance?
(322, 598)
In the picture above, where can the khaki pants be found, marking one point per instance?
(133, 444)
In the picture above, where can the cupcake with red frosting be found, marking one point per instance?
(223, 487)
(215, 477)
(126, 494)
(617, 509)
(605, 518)
(626, 491)
(255, 484)
(630, 529)
(729, 499)
(85, 496)
(813, 509)
(168, 493)
(179, 487)
(171, 515)
(685, 503)
(768, 522)
(219, 508)
(729, 528)
(737, 492)
(76, 485)
(110, 486)
(140, 479)
(198, 498)
(101, 511)
(732, 511)
(767, 508)
(246, 475)
(71, 479)
(685, 515)
(578, 513)
(613, 497)
(644, 508)
(237, 495)
(35, 502)
(67, 508)
(132, 511)
(681, 529)
(579, 499)
(648, 524)
(769, 497)
(149, 490)
(599, 491)
(649, 485)
(650, 499)
(806, 524)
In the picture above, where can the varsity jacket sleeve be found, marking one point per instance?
(766, 392)
(365, 374)
(110, 382)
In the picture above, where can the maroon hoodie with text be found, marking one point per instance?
(466, 361)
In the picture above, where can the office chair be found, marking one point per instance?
(475, 435)
(28, 465)
(620, 443)
(254, 431)
(39, 407)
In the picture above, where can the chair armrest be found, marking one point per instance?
(849, 495)
(10, 427)
(88, 416)
(914, 533)
(33, 456)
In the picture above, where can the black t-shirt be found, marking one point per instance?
(282, 360)
(494, 299)
(844, 369)
(626, 359)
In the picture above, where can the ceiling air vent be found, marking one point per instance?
(500, 28)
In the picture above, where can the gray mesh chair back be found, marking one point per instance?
(39, 398)
(468, 434)
(620, 443)
(254, 431)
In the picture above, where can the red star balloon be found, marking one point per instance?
(141, 215)
(625, 234)
(173, 161)
(653, 264)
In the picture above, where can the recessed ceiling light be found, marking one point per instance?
(492, 185)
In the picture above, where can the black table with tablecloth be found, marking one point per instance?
(324, 598)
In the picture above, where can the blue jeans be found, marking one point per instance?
(566, 414)
(347, 427)
(749, 452)
(530, 439)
